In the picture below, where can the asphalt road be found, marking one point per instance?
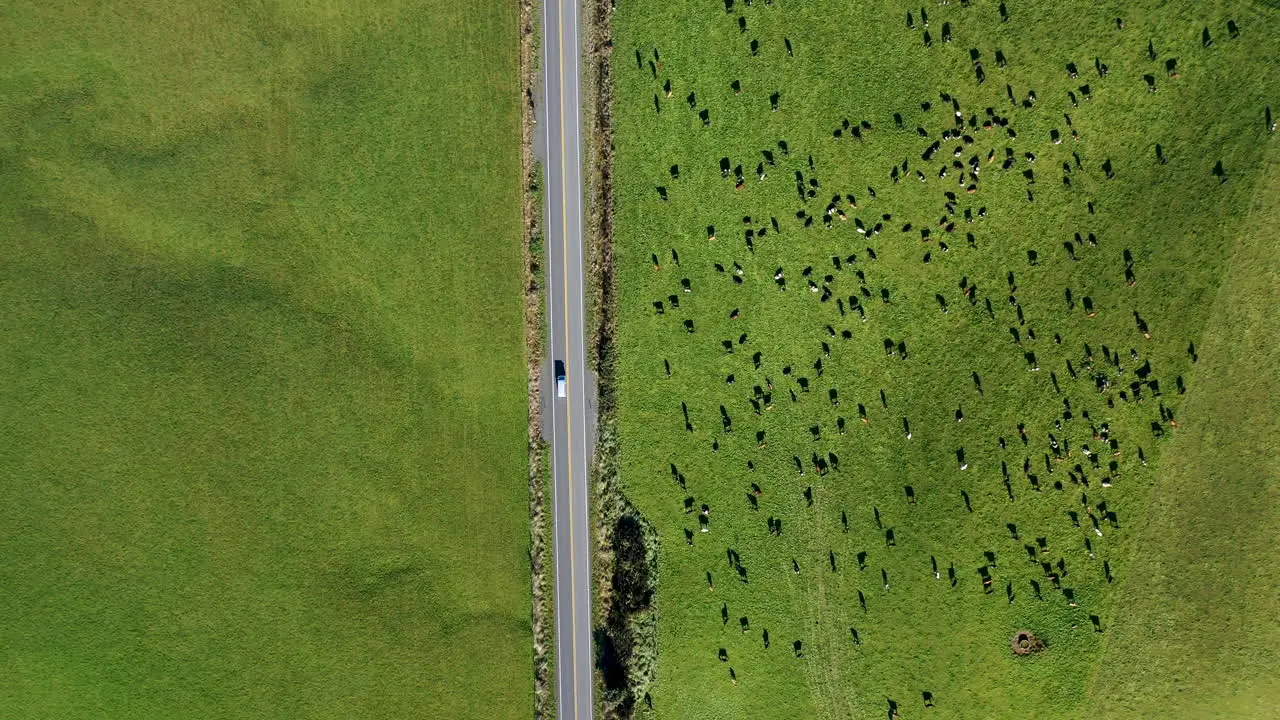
(561, 130)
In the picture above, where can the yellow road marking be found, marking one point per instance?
(564, 212)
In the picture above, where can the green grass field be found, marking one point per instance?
(263, 440)
(1187, 620)
(1204, 622)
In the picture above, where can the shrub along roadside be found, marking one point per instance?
(535, 331)
(625, 566)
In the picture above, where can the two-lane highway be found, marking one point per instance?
(562, 130)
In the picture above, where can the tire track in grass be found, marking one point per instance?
(824, 671)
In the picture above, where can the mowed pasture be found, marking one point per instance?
(263, 424)
(884, 417)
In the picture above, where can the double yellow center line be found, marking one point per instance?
(564, 214)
